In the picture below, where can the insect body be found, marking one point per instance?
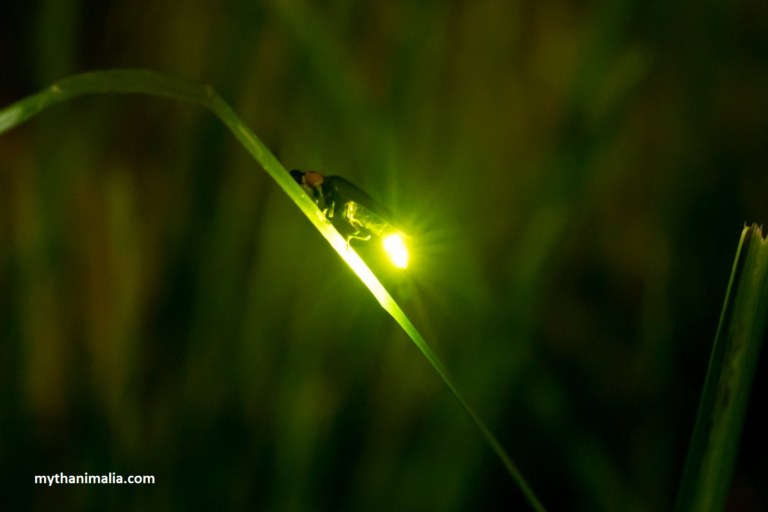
(355, 214)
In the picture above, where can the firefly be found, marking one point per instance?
(354, 213)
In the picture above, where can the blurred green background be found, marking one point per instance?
(575, 177)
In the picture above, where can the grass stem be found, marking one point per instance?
(157, 84)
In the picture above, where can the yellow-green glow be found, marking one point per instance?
(396, 249)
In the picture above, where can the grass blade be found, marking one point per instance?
(157, 84)
(715, 441)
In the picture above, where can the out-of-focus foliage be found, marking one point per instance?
(575, 175)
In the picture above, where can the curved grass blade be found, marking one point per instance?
(157, 84)
(716, 434)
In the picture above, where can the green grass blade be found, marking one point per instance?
(156, 84)
(715, 441)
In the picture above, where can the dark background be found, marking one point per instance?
(574, 175)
